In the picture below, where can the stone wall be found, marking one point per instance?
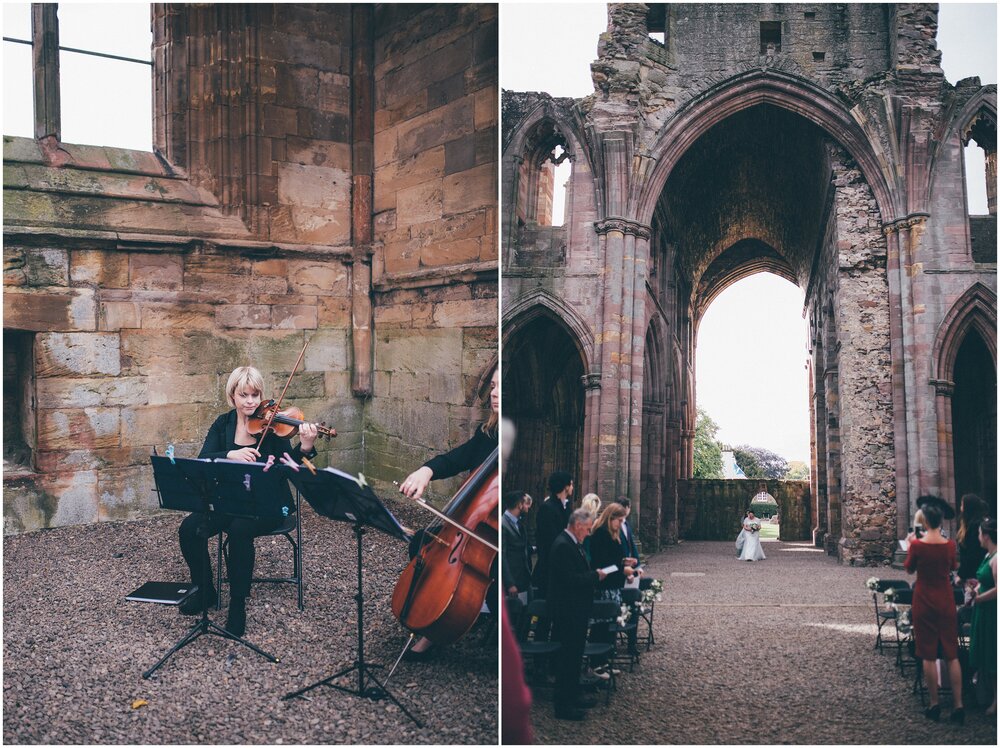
(713, 509)
(435, 206)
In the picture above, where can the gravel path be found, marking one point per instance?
(74, 649)
(778, 651)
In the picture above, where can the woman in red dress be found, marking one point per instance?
(935, 619)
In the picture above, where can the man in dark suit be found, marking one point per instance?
(552, 517)
(570, 594)
(515, 571)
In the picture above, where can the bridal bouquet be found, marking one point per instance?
(755, 526)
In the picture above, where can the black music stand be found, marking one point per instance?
(342, 497)
(238, 488)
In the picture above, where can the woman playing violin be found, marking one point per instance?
(467, 456)
(230, 438)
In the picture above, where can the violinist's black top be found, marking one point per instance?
(467, 456)
(221, 440)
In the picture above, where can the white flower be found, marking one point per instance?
(890, 594)
(657, 597)
(872, 583)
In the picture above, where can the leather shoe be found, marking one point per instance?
(574, 715)
(414, 656)
(933, 713)
(198, 602)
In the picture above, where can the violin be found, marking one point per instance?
(284, 423)
(441, 591)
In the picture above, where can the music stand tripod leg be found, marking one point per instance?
(189, 637)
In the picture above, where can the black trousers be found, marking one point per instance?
(569, 628)
(197, 528)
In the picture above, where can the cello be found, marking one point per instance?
(442, 589)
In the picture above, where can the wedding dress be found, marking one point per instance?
(750, 548)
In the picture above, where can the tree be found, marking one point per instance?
(707, 451)
(797, 470)
(757, 462)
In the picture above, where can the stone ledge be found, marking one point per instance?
(438, 276)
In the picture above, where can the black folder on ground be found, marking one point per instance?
(165, 593)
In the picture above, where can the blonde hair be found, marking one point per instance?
(489, 427)
(244, 378)
(592, 503)
(611, 511)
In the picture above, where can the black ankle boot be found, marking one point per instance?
(933, 713)
(198, 602)
(957, 716)
(236, 621)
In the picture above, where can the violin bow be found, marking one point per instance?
(277, 404)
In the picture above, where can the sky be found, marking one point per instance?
(754, 386)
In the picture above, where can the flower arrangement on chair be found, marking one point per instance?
(872, 583)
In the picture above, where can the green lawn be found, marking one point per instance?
(768, 531)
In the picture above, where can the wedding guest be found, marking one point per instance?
(983, 645)
(516, 725)
(971, 510)
(551, 520)
(570, 595)
(935, 620)
(592, 503)
(515, 570)
(608, 548)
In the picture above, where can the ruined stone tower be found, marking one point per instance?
(821, 143)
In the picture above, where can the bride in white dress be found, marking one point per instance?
(748, 546)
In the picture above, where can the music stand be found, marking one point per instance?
(342, 497)
(228, 487)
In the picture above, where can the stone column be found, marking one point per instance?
(611, 423)
(944, 391)
(894, 273)
(589, 476)
(362, 164)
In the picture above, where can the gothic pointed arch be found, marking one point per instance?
(542, 302)
(780, 89)
(976, 309)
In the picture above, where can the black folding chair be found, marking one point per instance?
(291, 530)
(600, 638)
(533, 620)
(885, 614)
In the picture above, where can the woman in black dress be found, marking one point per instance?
(229, 438)
(467, 456)
(608, 547)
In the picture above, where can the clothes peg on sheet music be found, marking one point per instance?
(170, 454)
(287, 460)
(269, 463)
(309, 466)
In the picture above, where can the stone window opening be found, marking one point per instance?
(545, 172)
(18, 402)
(819, 56)
(89, 68)
(764, 505)
(770, 37)
(656, 23)
(980, 166)
(809, 15)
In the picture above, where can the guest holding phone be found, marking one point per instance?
(935, 620)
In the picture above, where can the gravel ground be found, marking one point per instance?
(778, 651)
(74, 649)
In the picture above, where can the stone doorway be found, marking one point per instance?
(543, 395)
(974, 420)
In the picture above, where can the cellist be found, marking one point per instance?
(229, 438)
(465, 457)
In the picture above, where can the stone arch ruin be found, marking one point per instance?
(829, 156)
